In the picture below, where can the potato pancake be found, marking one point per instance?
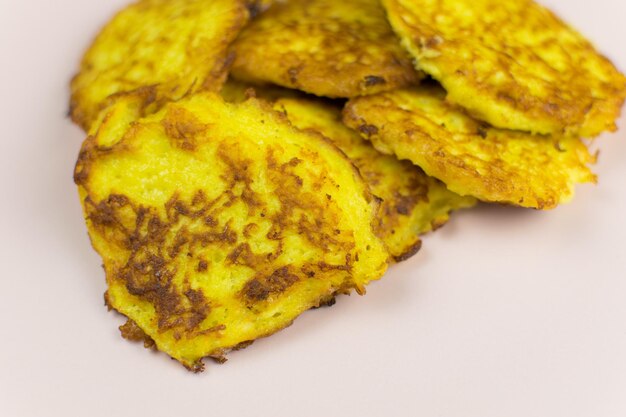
(220, 223)
(169, 48)
(512, 63)
(324, 47)
(471, 158)
(412, 202)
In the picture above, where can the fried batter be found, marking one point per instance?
(170, 48)
(512, 63)
(220, 223)
(324, 47)
(412, 202)
(471, 158)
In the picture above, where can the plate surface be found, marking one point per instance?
(504, 312)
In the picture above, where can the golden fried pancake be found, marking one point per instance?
(324, 47)
(220, 223)
(412, 202)
(168, 48)
(471, 158)
(512, 63)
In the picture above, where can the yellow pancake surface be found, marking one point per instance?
(323, 47)
(512, 63)
(412, 202)
(168, 48)
(471, 158)
(220, 223)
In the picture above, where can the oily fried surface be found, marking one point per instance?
(220, 223)
(412, 202)
(324, 47)
(512, 63)
(491, 164)
(168, 48)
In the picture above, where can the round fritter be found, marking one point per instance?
(220, 223)
(168, 48)
(324, 47)
(471, 158)
(512, 63)
(412, 202)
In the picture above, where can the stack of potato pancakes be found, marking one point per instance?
(247, 161)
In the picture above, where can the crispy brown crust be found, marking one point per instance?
(132, 332)
(410, 252)
(261, 287)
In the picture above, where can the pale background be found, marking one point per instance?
(505, 312)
